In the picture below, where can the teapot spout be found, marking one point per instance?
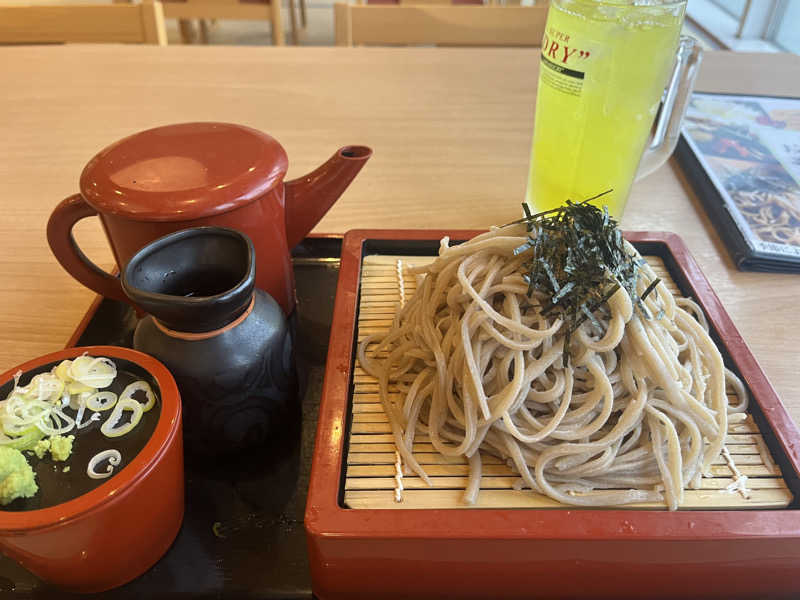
(309, 197)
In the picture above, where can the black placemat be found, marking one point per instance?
(242, 535)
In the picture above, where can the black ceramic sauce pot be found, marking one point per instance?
(227, 343)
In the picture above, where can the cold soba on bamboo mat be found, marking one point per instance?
(545, 364)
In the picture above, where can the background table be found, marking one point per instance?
(451, 131)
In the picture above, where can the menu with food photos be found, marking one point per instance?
(742, 155)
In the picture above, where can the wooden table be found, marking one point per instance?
(451, 131)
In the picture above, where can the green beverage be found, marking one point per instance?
(604, 66)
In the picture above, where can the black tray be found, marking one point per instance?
(242, 535)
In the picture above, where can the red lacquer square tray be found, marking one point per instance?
(548, 553)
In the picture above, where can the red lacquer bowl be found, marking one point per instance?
(115, 532)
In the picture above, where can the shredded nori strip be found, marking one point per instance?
(579, 261)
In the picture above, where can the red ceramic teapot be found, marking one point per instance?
(192, 174)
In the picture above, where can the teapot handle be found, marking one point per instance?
(68, 253)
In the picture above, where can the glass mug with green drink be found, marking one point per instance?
(608, 69)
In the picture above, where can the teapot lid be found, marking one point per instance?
(182, 172)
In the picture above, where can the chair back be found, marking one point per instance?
(84, 23)
(249, 10)
(439, 24)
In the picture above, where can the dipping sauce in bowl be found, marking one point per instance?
(62, 480)
(89, 535)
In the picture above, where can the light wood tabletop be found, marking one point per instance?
(450, 128)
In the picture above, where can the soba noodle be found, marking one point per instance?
(638, 414)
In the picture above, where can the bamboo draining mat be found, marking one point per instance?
(370, 470)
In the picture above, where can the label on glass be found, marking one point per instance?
(563, 65)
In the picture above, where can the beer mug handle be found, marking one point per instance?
(667, 128)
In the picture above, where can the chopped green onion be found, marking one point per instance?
(101, 401)
(140, 386)
(111, 427)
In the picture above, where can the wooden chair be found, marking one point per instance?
(439, 24)
(205, 10)
(84, 23)
(303, 21)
